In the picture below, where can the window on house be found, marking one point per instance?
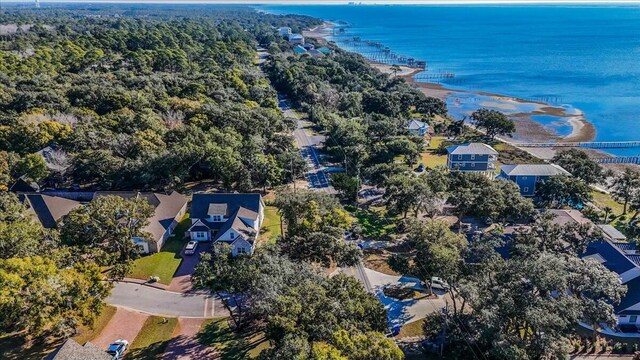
(526, 189)
(201, 235)
(232, 235)
(216, 218)
(459, 157)
(241, 250)
(473, 156)
(633, 318)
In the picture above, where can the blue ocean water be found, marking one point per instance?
(584, 56)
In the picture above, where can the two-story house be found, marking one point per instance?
(284, 31)
(232, 218)
(476, 157)
(527, 176)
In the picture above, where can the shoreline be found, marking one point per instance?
(463, 102)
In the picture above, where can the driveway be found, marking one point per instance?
(185, 345)
(125, 324)
(165, 303)
(401, 312)
(181, 281)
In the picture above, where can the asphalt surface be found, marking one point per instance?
(318, 179)
(315, 174)
(161, 302)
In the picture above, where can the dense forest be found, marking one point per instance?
(142, 103)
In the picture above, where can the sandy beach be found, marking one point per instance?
(462, 103)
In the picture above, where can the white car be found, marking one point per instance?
(118, 348)
(191, 247)
(439, 283)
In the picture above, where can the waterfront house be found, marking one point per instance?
(296, 39)
(527, 176)
(51, 208)
(284, 31)
(325, 50)
(417, 127)
(477, 157)
(230, 218)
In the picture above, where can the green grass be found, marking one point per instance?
(374, 223)
(164, 263)
(153, 338)
(271, 225)
(216, 333)
(13, 346)
(603, 200)
(87, 333)
(430, 158)
(411, 329)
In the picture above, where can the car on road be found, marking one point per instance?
(191, 247)
(118, 348)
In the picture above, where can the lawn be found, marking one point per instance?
(87, 333)
(216, 333)
(411, 329)
(373, 221)
(13, 346)
(153, 338)
(376, 259)
(164, 263)
(271, 225)
(603, 200)
(431, 158)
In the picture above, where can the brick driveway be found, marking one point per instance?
(125, 324)
(181, 281)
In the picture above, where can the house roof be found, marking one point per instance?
(299, 49)
(295, 37)
(236, 223)
(471, 149)
(71, 350)
(614, 258)
(533, 170)
(325, 50)
(414, 124)
(200, 203)
(563, 216)
(631, 298)
(49, 209)
(612, 232)
(217, 209)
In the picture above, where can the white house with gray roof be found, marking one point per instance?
(231, 218)
(417, 127)
(527, 176)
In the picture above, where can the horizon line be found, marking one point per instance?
(340, 2)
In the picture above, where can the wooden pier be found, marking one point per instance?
(588, 145)
(619, 160)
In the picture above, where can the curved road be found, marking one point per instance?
(165, 303)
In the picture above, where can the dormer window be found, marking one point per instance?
(232, 235)
(216, 218)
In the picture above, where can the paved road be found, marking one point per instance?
(318, 179)
(315, 175)
(164, 303)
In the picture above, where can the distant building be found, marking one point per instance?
(417, 127)
(284, 31)
(315, 53)
(299, 50)
(528, 176)
(296, 39)
(231, 218)
(71, 350)
(476, 157)
(325, 50)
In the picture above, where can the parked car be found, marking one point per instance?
(420, 168)
(191, 247)
(118, 348)
(436, 283)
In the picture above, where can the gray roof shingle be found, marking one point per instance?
(71, 350)
(533, 170)
(471, 149)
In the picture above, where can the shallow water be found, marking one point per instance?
(584, 57)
